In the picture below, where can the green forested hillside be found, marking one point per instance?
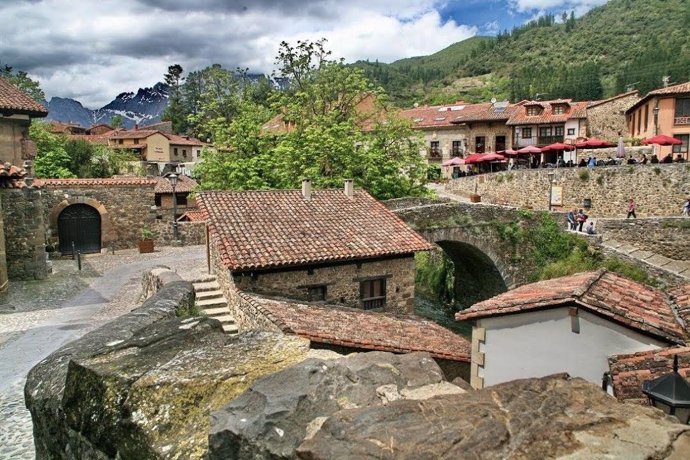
(622, 43)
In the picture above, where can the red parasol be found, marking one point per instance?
(557, 147)
(662, 139)
(482, 157)
(594, 143)
(509, 152)
(530, 149)
(455, 161)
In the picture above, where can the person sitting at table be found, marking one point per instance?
(582, 163)
(667, 159)
(655, 159)
(679, 159)
(631, 160)
(643, 160)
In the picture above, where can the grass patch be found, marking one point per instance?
(657, 170)
(188, 312)
(583, 175)
(600, 180)
(510, 177)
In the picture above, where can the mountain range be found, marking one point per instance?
(144, 107)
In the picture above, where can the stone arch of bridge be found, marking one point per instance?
(481, 270)
(107, 231)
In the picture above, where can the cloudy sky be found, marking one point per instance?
(92, 50)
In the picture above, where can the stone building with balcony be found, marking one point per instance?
(485, 126)
(339, 247)
(663, 111)
(541, 123)
(17, 110)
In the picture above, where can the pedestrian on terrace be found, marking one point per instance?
(686, 207)
(632, 207)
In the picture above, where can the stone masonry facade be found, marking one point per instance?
(606, 119)
(24, 234)
(188, 233)
(659, 190)
(3, 256)
(667, 236)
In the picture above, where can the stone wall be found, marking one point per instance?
(189, 233)
(607, 119)
(667, 236)
(342, 282)
(124, 210)
(3, 257)
(659, 190)
(24, 233)
(15, 145)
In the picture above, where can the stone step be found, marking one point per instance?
(202, 295)
(230, 329)
(204, 279)
(208, 303)
(225, 319)
(206, 286)
(217, 311)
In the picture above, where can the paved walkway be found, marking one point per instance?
(38, 317)
(680, 268)
(442, 193)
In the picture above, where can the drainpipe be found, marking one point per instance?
(656, 117)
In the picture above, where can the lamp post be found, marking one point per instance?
(550, 174)
(173, 181)
(670, 393)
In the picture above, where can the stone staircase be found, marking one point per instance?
(210, 300)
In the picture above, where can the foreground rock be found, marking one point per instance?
(549, 417)
(143, 386)
(280, 411)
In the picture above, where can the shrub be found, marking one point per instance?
(657, 170)
(600, 180)
(583, 175)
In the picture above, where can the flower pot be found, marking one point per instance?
(145, 246)
(474, 198)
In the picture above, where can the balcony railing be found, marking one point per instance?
(435, 153)
(546, 140)
(681, 121)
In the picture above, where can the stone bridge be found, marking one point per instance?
(489, 259)
(477, 238)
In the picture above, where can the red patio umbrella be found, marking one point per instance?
(662, 139)
(594, 143)
(455, 161)
(482, 157)
(530, 149)
(557, 147)
(509, 152)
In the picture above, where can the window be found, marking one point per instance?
(316, 293)
(457, 148)
(181, 199)
(120, 141)
(500, 143)
(558, 109)
(545, 131)
(526, 133)
(571, 131)
(373, 293)
(157, 200)
(682, 148)
(646, 117)
(558, 131)
(533, 111)
(682, 111)
(434, 149)
(175, 151)
(480, 144)
(184, 153)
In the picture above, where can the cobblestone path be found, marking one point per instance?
(37, 317)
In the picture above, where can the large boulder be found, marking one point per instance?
(279, 411)
(549, 417)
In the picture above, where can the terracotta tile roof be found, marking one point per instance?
(278, 228)
(487, 112)
(110, 181)
(680, 296)
(437, 116)
(592, 104)
(14, 100)
(574, 110)
(355, 328)
(192, 216)
(628, 372)
(132, 133)
(682, 88)
(184, 185)
(11, 176)
(101, 139)
(182, 140)
(603, 293)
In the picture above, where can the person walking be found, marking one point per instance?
(632, 207)
(571, 220)
(686, 207)
(581, 218)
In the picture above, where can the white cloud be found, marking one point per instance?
(579, 6)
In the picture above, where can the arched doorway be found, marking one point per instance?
(81, 224)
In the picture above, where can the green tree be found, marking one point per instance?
(175, 111)
(52, 161)
(343, 128)
(21, 80)
(117, 121)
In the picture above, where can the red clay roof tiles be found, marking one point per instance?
(628, 372)
(362, 329)
(184, 185)
(112, 181)
(624, 301)
(573, 110)
(15, 100)
(278, 228)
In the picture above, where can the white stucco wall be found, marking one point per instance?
(541, 343)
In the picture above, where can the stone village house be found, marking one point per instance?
(334, 266)
(16, 112)
(575, 324)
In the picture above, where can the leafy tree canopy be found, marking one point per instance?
(344, 127)
(21, 80)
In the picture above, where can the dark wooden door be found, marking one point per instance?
(81, 224)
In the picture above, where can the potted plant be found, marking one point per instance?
(146, 240)
(475, 197)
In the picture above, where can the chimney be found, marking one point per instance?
(136, 126)
(349, 188)
(306, 189)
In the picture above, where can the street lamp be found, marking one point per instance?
(550, 174)
(670, 393)
(173, 181)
